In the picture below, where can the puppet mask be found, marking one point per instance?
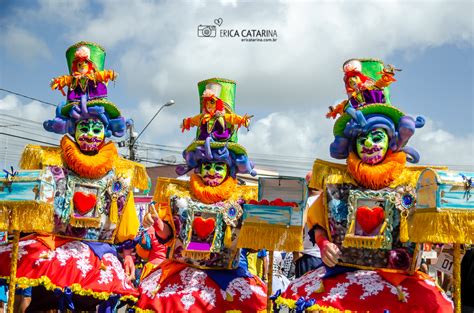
(213, 174)
(83, 67)
(372, 147)
(210, 105)
(90, 134)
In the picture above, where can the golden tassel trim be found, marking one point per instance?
(450, 225)
(36, 157)
(228, 237)
(404, 226)
(457, 276)
(352, 241)
(26, 216)
(136, 171)
(113, 213)
(84, 222)
(271, 237)
(198, 255)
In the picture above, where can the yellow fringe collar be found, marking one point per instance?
(89, 166)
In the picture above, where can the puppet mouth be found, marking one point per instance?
(371, 150)
(213, 180)
(89, 143)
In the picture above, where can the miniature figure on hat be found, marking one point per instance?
(217, 118)
(86, 73)
(366, 82)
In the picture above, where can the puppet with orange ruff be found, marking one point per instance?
(200, 221)
(360, 221)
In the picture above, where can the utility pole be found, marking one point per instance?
(133, 137)
(131, 144)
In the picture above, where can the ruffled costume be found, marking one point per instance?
(365, 210)
(77, 205)
(202, 273)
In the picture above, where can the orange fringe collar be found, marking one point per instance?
(208, 194)
(376, 176)
(89, 166)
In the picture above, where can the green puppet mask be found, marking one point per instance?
(372, 147)
(90, 134)
(213, 174)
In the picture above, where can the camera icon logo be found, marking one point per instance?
(206, 31)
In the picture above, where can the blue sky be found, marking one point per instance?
(287, 84)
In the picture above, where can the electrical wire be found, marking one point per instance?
(27, 97)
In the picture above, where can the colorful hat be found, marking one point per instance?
(110, 108)
(223, 89)
(377, 108)
(86, 50)
(372, 69)
(96, 54)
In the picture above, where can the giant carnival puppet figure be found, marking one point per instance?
(91, 197)
(200, 219)
(360, 220)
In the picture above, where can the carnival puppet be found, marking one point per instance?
(200, 221)
(91, 203)
(360, 220)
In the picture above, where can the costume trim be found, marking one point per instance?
(208, 194)
(24, 282)
(376, 176)
(440, 224)
(270, 237)
(26, 216)
(89, 166)
(291, 304)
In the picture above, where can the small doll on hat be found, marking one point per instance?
(362, 89)
(217, 118)
(87, 76)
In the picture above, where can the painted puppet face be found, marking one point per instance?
(210, 105)
(372, 147)
(83, 67)
(213, 174)
(90, 134)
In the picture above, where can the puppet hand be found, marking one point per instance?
(329, 252)
(129, 265)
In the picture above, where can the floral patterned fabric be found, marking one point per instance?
(70, 263)
(193, 290)
(369, 291)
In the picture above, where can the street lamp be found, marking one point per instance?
(134, 139)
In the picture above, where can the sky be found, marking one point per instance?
(287, 83)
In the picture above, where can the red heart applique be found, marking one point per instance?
(84, 203)
(369, 219)
(203, 226)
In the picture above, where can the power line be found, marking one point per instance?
(30, 139)
(27, 97)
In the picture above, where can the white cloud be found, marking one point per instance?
(24, 45)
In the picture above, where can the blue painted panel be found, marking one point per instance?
(20, 191)
(455, 197)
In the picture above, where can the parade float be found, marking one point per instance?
(366, 217)
(75, 200)
(200, 219)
